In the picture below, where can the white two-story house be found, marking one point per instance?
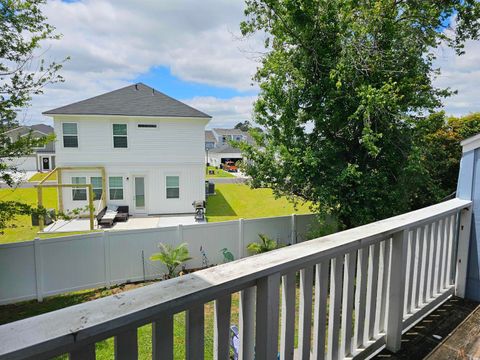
(148, 146)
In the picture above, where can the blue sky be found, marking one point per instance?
(162, 79)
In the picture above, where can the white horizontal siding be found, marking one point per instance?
(173, 141)
(192, 187)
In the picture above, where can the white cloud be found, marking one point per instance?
(461, 73)
(111, 42)
(225, 112)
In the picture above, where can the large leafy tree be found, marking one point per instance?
(341, 85)
(437, 140)
(23, 73)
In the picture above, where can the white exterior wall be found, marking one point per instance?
(192, 187)
(25, 163)
(152, 152)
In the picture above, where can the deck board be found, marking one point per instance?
(420, 340)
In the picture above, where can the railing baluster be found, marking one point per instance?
(320, 315)
(305, 313)
(288, 316)
(162, 338)
(385, 285)
(441, 257)
(87, 352)
(347, 306)
(435, 260)
(361, 297)
(396, 290)
(195, 333)
(221, 330)
(428, 265)
(126, 345)
(420, 268)
(411, 271)
(372, 290)
(266, 336)
(335, 307)
(448, 256)
(462, 253)
(246, 323)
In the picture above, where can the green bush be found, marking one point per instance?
(172, 257)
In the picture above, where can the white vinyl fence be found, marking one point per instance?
(39, 268)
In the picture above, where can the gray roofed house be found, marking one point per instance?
(133, 100)
(42, 158)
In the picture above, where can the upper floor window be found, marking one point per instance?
(79, 194)
(120, 136)
(147, 126)
(173, 187)
(70, 135)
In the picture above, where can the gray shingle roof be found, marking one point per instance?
(132, 100)
(225, 149)
(229, 131)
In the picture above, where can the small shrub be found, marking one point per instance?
(266, 244)
(172, 257)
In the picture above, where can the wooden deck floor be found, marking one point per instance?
(444, 328)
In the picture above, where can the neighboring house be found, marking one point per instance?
(148, 146)
(218, 148)
(42, 158)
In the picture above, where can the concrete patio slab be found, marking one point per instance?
(146, 222)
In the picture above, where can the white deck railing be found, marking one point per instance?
(363, 287)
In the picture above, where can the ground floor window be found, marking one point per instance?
(97, 188)
(115, 185)
(173, 187)
(79, 194)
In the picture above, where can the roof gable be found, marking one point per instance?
(132, 100)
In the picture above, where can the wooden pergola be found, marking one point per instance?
(60, 186)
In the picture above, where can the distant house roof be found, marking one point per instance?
(44, 128)
(225, 149)
(229, 131)
(209, 136)
(23, 130)
(133, 100)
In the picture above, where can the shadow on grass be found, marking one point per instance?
(217, 205)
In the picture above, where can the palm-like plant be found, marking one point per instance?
(172, 257)
(265, 244)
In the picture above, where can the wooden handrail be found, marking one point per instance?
(72, 328)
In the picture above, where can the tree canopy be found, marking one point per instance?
(341, 86)
(23, 73)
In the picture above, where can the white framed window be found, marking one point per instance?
(97, 187)
(70, 135)
(120, 136)
(79, 194)
(173, 187)
(115, 186)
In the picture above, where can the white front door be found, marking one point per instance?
(139, 198)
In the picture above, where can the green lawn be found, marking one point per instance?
(236, 201)
(40, 176)
(232, 201)
(104, 349)
(218, 173)
(22, 229)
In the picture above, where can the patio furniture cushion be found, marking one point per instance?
(122, 213)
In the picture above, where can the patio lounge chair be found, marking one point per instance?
(122, 213)
(106, 217)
